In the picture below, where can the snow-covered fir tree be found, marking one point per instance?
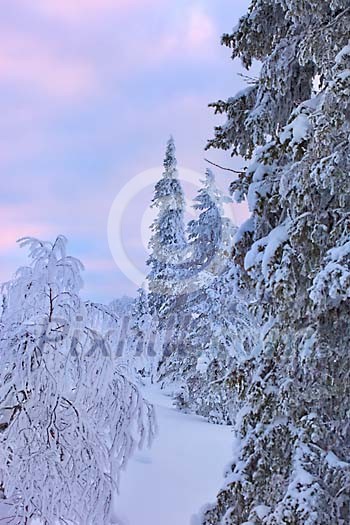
(218, 339)
(206, 233)
(292, 459)
(140, 324)
(204, 249)
(70, 417)
(145, 342)
(168, 240)
(211, 325)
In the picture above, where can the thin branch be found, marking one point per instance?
(226, 169)
(340, 15)
(251, 81)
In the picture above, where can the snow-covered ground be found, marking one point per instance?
(169, 483)
(182, 471)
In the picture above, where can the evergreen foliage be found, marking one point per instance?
(292, 463)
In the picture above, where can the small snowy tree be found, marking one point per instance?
(219, 338)
(143, 335)
(70, 418)
(206, 233)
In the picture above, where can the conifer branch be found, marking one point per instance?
(223, 168)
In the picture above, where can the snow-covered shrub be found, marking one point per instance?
(70, 417)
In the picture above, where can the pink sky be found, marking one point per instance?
(90, 91)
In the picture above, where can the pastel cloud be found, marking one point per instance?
(200, 30)
(14, 225)
(47, 65)
(32, 62)
(79, 10)
(99, 264)
(11, 255)
(192, 34)
(25, 229)
(22, 220)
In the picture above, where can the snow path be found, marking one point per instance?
(183, 470)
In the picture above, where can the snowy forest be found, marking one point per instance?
(237, 345)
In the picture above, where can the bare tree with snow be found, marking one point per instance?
(70, 417)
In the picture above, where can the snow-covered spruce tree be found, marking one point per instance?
(292, 461)
(218, 340)
(209, 235)
(123, 309)
(213, 322)
(142, 336)
(205, 236)
(70, 418)
(168, 240)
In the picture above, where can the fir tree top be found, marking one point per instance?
(170, 162)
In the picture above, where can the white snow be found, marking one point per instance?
(276, 238)
(245, 92)
(297, 130)
(264, 249)
(254, 256)
(183, 470)
(345, 51)
(334, 462)
(334, 279)
(340, 252)
(262, 511)
(246, 227)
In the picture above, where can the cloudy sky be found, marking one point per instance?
(90, 90)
